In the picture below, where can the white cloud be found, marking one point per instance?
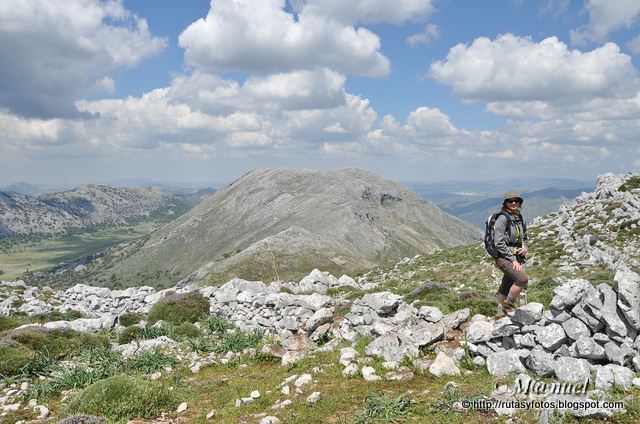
(517, 68)
(519, 78)
(554, 7)
(634, 44)
(53, 53)
(430, 33)
(105, 85)
(365, 11)
(260, 36)
(605, 17)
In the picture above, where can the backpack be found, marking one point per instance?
(489, 244)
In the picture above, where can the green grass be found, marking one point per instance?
(37, 253)
(130, 318)
(13, 358)
(631, 184)
(178, 308)
(123, 397)
(61, 344)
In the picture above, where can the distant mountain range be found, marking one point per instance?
(82, 207)
(474, 201)
(22, 188)
(280, 223)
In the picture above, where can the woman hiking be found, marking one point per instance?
(511, 244)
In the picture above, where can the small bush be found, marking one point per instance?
(130, 318)
(83, 419)
(129, 334)
(69, 315)
(186, 329)
(151, 361)
(8, 323)
(13, 358)
(179, 308)
(216, 324)
(123, 397)
(238, 341)
(61, 344)
(135, 332)
(380, 407)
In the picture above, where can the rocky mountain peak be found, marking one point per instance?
(601, 227)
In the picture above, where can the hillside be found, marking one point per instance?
(412, 342)
(279, 223)
(83, 207)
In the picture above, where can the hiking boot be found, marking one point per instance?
(500, 314)
(508, 307)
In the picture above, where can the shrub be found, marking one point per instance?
(61, 344)
(186, 329)
(8, 323)
(151, 360)
(69, 315)
(130, 318)
(147, 332)
(123, 397)
(14, 357)
(381, 407)
(129, 334)
(83, 419)
(179, 308)
(216, 324)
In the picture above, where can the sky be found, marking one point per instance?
(422, 90)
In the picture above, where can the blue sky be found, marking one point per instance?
(412, 89)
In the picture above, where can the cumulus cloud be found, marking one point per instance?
(605, 17)
(430, 33)
(52, 53)
(260, 36)
(520, 78)
(289, 113)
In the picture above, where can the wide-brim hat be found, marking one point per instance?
(512, 195)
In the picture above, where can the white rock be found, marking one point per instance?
(271, 419)
(313, 397)
(211, 414)
(444, 365)
(182, 407)
(350, 370)
(302, 380)
(369, 374)
(255, 394)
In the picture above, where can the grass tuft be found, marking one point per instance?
(123, 397)
(179, 308)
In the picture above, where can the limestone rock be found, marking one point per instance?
(503, 363)
(609, 375)
(575, 328)
(479, 331)
(551, 337)
(569, 293)
(628, 283)
(571, 370)
(444, 365)
(529, 313)
(540, 362)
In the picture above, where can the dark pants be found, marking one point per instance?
(510, 277)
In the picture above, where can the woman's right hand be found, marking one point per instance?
(517, 266)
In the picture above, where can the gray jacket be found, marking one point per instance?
(506, 240)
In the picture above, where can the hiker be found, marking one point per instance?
(510, 238)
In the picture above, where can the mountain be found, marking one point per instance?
(22, 188)
(536, 203)
(84, 206)
(475, 200)
(280, 223)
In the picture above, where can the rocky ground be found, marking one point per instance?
(388, 345)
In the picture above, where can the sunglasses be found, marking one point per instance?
(513, 201)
